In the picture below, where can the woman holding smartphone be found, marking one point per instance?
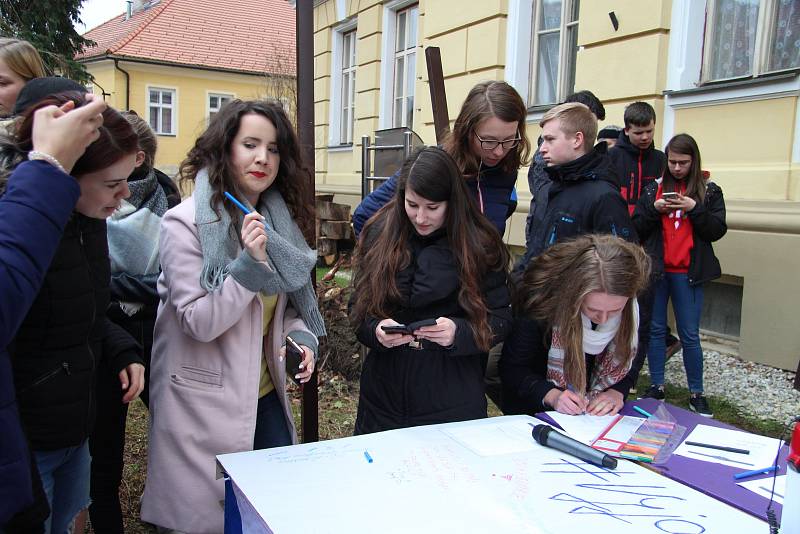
(232, 288)
(427, 255)
(677, 219)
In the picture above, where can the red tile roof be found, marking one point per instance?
(246, 35)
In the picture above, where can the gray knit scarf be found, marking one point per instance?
(288, 255)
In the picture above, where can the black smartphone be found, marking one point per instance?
(416, 325)
(395, 329)
(294, 356)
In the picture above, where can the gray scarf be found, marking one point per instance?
(288, 255)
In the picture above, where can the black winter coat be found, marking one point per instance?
(402, 386)
(708, 225)
(582, 199)
(635, 168)
(55, 350)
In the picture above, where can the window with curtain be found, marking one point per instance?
(216, 102)
(748, 38)
(555, 48)
(404, 67)
(348, 89)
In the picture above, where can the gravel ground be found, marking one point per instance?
(759, 390)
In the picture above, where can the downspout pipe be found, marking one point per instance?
(127, 84)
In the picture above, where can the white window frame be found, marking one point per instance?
(761, 47)
(565, 60)
(385, 115)
(218, 94)
(684, 68)
(173, 106)
(335, 138)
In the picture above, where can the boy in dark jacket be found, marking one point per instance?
(634, 159)
(583, 197)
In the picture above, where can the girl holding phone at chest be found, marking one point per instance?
(233, 288)
(677, 220)
(427, 255)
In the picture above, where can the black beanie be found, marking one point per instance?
(39, 88)
(609, 132)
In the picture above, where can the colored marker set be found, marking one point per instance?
(648, 440)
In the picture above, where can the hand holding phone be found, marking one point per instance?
(294, 357)
(670, 196)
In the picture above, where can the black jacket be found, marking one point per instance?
(54, 352)
(582, 199)
(708, 224)
(523, 368)
(401, 386)
(635, 168)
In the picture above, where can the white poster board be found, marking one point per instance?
(484, 476)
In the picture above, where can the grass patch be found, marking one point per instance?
(724, 410)
(341, 278)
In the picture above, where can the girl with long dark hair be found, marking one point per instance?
(428, 255)
(575, 324)
(232, 289)
(678, 219)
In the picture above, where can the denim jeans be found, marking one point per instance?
(271, 429)
(687, 301)
(65, 478)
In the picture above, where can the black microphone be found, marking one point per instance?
(550, 437)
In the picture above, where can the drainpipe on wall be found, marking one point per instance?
(127, 84)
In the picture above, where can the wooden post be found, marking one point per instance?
(304, 17)
(441, 119)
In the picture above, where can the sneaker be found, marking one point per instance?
(655, 392)
(699, 405)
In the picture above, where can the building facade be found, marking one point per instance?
(177, 62)
(725, 71)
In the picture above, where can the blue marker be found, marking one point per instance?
(241, 206)
(367, 456)
(643, 412)
(763, 470)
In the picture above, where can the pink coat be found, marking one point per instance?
(204, 380)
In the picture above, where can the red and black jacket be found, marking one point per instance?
(635, 168)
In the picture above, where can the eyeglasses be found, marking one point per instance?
(490, 144)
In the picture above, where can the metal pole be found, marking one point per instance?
(305, 131)
(364, 166)
(406, 144)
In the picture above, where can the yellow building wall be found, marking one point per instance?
(192, 87)
(747, 145)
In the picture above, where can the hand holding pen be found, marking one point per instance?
(567, 401)
(254, 235)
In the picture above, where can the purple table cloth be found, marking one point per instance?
(713, 479)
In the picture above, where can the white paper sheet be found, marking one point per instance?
(584, 428)
(763, 486)
(500, 439)
(430, 480)
(762, 449)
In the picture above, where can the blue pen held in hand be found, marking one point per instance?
(241, 206)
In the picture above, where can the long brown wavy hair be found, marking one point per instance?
(695, 183)
(212, 151)
(555, 283)
(383, 248)
(485, 100)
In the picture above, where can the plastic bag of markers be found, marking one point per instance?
(662, 424)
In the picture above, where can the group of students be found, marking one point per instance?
(612, 235)
(113, 288)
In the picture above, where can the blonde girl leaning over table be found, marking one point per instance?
(232, 288)
(574, 332)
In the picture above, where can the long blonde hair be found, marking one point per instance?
(22, 58)
(554, 285)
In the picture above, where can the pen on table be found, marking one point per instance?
(717, 447)
(643, 412)
(763, 470)
(368, 457)
(241, 206)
